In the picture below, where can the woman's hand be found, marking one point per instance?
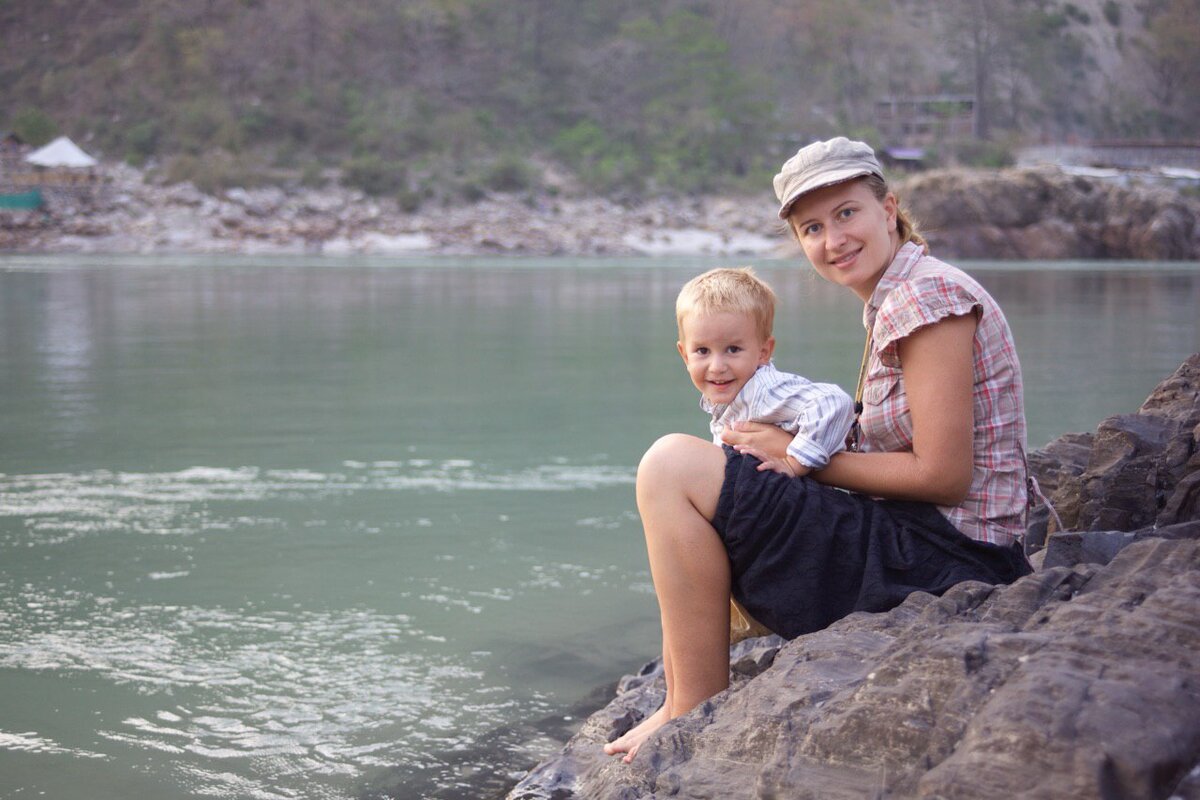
(767, 443)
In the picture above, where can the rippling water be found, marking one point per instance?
(288, 633)
(347, 529)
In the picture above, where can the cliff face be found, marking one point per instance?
(1079, 681)
(1046, 214)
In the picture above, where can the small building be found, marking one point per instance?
(61, 162)
(919, 121)
(59, 175)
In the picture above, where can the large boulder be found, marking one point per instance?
(1045, 213)
(1078, 681)
(1141, 470)
(1075, 682)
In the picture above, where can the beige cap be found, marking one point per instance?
(823, 164)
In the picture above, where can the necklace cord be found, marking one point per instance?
(852, 444)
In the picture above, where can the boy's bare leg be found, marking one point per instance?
(679, 483)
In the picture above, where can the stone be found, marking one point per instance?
(1140, 469)
(1068, 548)
(1078, 681)
(1071, 683)
(1046, 214)
(1184, 502)
(1123, 478)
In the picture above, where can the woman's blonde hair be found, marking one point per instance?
(734, 290)
(906, 226)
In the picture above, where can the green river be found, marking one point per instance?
(314, 528)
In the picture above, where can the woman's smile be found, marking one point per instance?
(846, 260)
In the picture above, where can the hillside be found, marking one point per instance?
(437, 99)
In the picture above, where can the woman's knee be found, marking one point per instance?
(682, 468)
(668, 457)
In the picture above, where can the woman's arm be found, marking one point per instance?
(938, 364)
(939, 375)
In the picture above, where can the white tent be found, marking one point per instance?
(62, 152)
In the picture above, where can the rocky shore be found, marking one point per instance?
(1032, 213)
(1078, 681)
(125, 213)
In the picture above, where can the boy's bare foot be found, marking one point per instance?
(631, 742)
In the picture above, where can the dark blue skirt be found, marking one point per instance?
(803, 554)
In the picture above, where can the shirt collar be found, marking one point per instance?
(896, 273)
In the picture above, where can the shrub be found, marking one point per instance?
(604, 162)
(214, 172)
(1112, 13)
(141, 141)
(1078, 14)
(311, 176)
(980, 153)
(375, 175)
(409, 201)
(34, 126)
(509, 174)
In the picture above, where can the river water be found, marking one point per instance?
(325, 528)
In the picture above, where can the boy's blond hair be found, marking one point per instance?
(728, 289)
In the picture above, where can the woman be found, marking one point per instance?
(936, 482)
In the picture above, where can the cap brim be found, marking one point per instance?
(828, 179)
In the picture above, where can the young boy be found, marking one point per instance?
(725, 319)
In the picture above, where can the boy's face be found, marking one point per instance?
(722, 352)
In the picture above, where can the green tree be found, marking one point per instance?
(1174, 57)
(692, 119)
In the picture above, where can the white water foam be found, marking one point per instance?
(59, 507)
(31, 742)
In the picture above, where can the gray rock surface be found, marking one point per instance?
(1079, 681)
(1075, 682)
(126, 213)
(1043, 213)
(1141, 470)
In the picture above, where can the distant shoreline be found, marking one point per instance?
(124, 213)
(1040, 213)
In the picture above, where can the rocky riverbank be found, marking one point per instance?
(1039, 213)
(125, 213)
(1079, 681)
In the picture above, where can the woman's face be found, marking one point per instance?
(848, 235)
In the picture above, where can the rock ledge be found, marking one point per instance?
(1079, 681)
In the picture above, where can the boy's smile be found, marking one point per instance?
(722, 351)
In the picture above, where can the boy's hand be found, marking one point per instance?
(769, 440)
(768, 444)
(784, 466)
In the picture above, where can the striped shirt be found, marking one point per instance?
(918, 290)
(819, 414)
